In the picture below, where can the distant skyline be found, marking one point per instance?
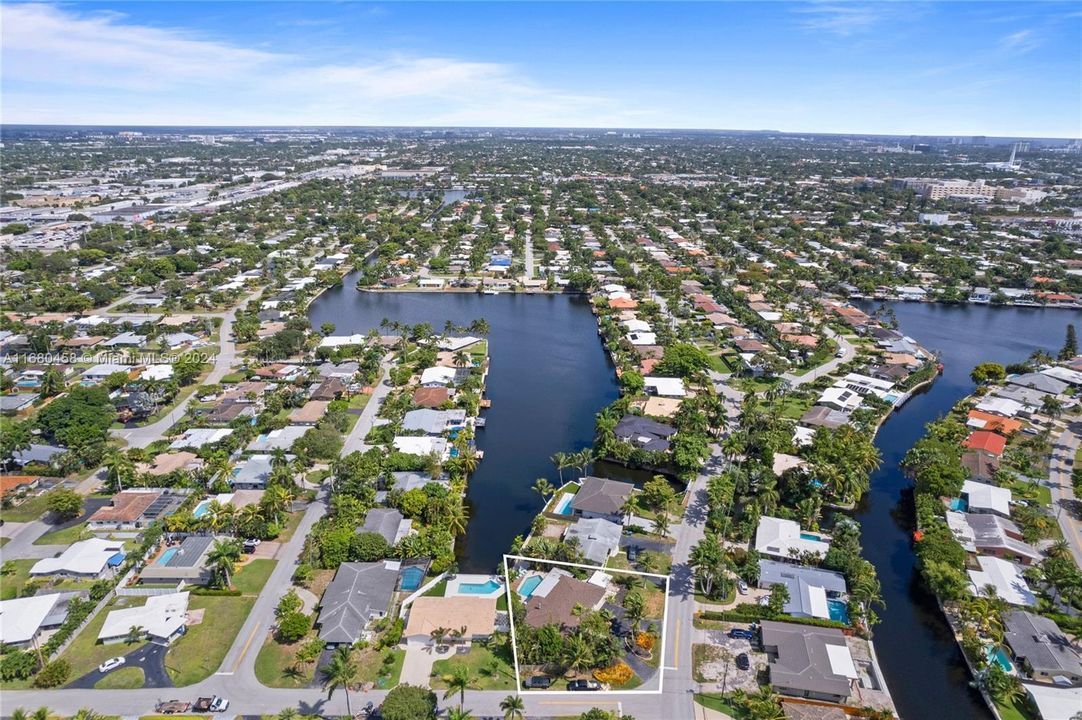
(899, 68)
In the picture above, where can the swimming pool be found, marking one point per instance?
(811, 536)
(563, 507)
(201, 509)
(411, 578)
(999, 656)
(478, 588)
(839, 611)
(959, 505)
(529, 585)
(166, 556)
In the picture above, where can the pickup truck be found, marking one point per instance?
(172, 707)
(210, 704)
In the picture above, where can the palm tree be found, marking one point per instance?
(577, 653)
(561, 460)
(634, 609)
(134, 633)
(459, 713)
(85, 714)
(461, 359)
(661, 524)
(288, 714)
(438, 635)
(459, 681)
(223, 557)
(340, 672)
(544, 488)
(583, 459)
(514, 707)
(276, 499)
(119, 468)
(468, 460)
(458, 517)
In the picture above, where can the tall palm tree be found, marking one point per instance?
(223, 557)
(276, 499)
(577, 653)
(119, 467)
(340, 672)
(583, 459)
(458, 517)
(514, 707)
(561, 460)
(459, 713)
(544, 488)
(468, 460)
(661, 524)
(459, 681)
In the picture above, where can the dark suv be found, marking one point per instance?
(538, 682)
(584, 685)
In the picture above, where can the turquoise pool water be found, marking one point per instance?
(479, 588)
(839, 611)
(201, 509)
(412, 577)
(959, 505)
(999, 656)
(811, 536)
(167, 556)
(564, 506)
(529, 585)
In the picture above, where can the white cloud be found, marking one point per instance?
(843, 18)
(1020, 42)
(64, 67)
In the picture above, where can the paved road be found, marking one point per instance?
(355, 439)
(848, 353)
(140, 437)
(1063, 497)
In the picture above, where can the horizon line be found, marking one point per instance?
(542, 127)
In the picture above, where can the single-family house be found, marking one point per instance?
(475, 617)
(87, 559)
(136, 508)
(601, 498)
(598, 539)
(1039, 645)
(984, 498)
(1005, 577)
(808, 662)
(811, 589)
(162, 619)
(23, 619)
(783, 538)
(644, 433)
(359, 593)
(388, 523)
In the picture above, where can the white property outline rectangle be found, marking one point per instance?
(514, 643)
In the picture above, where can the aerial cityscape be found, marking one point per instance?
(648, 361)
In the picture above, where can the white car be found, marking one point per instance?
(110, 664)
(742, 587)
(220, 704)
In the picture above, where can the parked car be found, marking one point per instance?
(111, 664)
(251, 544)
(742, 587)
(584, 685)
(538, 682)
(632, 553)
(743, 662)
(742, 634)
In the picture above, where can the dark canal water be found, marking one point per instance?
(548, 378)
(924, 667)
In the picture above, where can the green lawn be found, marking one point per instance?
(251, 578)
(30, 509)
(489, 671)
(274, 665)
(290, 527)
(66, 536)
(374, 667)
(718, 703)
(1016, 710)
(126, 678)
(85, 653)
(438, 589)
(13, 582)
(1040, 493)
(200, 652)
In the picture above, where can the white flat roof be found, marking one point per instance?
(86, 557)
(160, 617)
(841, 661)
(1005, 577)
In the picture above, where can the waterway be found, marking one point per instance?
(923, 665)
(549, 376)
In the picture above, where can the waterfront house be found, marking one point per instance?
(598, 539)
(990, 534)
(991, 422)
(421, 445)
(665, 387)
(980, 467)
(1040, 382)
(644, 433)
(601, 498)
(1041, 648)
(1054, 702)
(1005, 577)
(823, 416)
(783, 538)
(986, 441)
(810, 589)
(474, 617)
(431, 397)
(841, 399)
(984, 498)
(808, 662)
(359, 593)
(433, 422)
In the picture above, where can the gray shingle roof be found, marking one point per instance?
(802, 662)
(358, 593)
(602, 496)
(1042, 644)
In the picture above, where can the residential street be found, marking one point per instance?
(1063, 498)
(848, 352)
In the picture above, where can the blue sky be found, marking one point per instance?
(971, 68)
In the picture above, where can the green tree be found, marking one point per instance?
(1070, 345)
(340, 672)
(409, 702)
(514, 707)
(64, 503)
(459, 681)
(988, 372)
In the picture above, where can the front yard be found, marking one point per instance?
(489, 670)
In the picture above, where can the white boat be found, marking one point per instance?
(490, 292)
